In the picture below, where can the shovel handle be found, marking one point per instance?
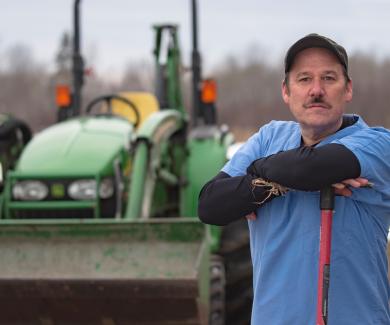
(327, 198)
(326, 206)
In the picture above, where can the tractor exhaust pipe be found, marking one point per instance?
(78, 63)
(196, 68)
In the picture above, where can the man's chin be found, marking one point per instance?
(321, 123)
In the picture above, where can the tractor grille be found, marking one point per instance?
(51, 184)
(53, 214)
(107, 206)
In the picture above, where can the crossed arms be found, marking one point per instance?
(225, 199)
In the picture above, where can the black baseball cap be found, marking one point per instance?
(315, 40)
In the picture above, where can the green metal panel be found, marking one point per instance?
(88, 143)
(207, 157)
(41, 205)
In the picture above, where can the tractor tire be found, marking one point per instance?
(217, 291)
(235, 252)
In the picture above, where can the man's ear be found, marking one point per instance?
(349, 91)
(285, 92)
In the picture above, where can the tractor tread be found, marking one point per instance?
(234, 250)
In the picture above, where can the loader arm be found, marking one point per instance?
(157, 129)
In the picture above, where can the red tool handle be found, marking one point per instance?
(327, 206)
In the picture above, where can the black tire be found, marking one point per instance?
(217, 291)
(14, 135)
(235, 252)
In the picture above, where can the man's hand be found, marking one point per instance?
(342, 188)
(251, 216)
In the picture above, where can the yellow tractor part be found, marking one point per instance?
(146, 104)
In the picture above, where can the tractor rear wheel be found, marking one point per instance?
(217, 291)
(235, 252)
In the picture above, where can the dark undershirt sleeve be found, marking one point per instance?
(225, 199)
(308, 168)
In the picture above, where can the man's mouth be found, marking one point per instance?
(317, 104)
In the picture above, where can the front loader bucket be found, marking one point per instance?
(106, 272)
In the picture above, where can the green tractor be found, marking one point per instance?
(99, 216)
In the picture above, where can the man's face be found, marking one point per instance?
(317, 90)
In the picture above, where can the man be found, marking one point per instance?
(324, 147)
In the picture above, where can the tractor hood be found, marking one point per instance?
(83, 146)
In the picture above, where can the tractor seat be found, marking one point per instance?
(145, 103)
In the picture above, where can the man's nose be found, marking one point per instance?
(317, 89)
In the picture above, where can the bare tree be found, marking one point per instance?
(24, 87)
(249, 91)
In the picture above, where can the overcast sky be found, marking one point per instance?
(118, 31)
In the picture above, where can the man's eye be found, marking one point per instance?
(329, 78)
(304, 79)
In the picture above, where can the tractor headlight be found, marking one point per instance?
(29, 191)
(85, 189)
